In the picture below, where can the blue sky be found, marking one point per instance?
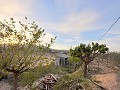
(72, 21)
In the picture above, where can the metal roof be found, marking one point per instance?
(63, 55)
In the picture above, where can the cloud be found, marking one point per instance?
(73, 25)
(18, 9)
(70, 40)
(112, 43)
(47, 38)
(15, 8)
(73, 37)
(76, 22)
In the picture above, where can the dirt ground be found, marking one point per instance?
(107, 78)
(110, 81)
(4, 86)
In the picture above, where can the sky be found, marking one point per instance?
(72, 21)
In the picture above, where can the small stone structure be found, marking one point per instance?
(61, 60)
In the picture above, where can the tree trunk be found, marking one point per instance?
(85, 70)
(15, 81)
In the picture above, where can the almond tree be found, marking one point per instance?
(87, 53)
(22, 47)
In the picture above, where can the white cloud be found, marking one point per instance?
(112, 43)
(73, 37)
(70, 40)
(47, 38)
(17, 9)
(73, 25)
(76, 22)
(15, 6)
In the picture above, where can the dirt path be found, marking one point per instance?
(110, 81)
